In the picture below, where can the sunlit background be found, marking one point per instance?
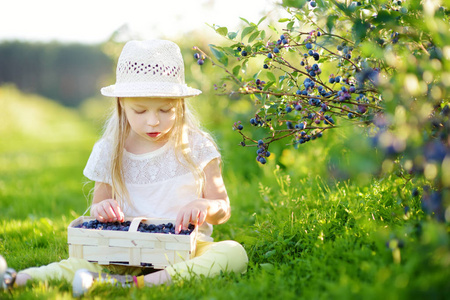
(89, 21)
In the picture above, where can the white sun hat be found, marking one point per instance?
(152, 68)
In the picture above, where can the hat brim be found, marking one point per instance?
(186, 92)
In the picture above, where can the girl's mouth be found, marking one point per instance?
(153, 134)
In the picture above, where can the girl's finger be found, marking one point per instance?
(186, 219)
(201, 218)
(117, 212)
(178, 223)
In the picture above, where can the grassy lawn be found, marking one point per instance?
(306, 236)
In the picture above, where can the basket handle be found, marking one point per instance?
(135, 224)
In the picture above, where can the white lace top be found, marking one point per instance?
(158, 184)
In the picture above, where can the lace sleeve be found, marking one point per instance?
(203, 149)
(98, 166)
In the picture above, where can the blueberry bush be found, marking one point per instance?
(378, 65)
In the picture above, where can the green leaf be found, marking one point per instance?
(236, 70)
(282, 20)
(271, 76)
(222, 31)
(331, 20)
(263, 34)
(221, 57)
(244, 20)
(253, 36)
(294, 3)
(261, 20)
(290, 25)
(232, 35)
(246, 31)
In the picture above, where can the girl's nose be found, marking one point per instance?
(153, 120)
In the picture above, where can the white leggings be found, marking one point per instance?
(210, 259)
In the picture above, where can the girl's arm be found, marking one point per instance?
(104, 208)
(213, 208)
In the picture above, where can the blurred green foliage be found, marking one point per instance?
(67, 73)
(381, 67)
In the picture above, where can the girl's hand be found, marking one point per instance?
(107, 210)
(193, 213)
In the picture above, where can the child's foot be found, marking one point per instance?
(8, 279)
(7, 275)
(84, 279)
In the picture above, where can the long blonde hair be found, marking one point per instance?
(117, 129)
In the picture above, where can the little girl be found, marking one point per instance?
(153, 161)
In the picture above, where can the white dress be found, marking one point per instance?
(158, 184)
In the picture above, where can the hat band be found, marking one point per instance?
(147, 89)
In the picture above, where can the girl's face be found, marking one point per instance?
(150, 119)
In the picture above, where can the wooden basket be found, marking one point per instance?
(130, 247)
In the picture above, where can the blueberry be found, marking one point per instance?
(269, 55)
(267, 153)
(315, 67)
(244, 53)
(308, 46)
(298, 92)
(260, 142)
(337, 79)
(313, 4)
(239, 49)
(265, 66)
(197, 55)
(288, 109)
(350, 115)
(311, 53)
(276, 50)
(253, 121)
(240, 127)
(316, 56)
(262, 160)
(289, 125)
(298, 107)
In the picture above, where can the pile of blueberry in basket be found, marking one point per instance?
(168, 228)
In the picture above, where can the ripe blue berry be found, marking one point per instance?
(260, 142)
(244, 53)
(262, 160)
(269, 55)
(298, 107)
(276, 50)
(240, 127)
(311, 53)
(197, 55)
(239, 49)
(200, 61)
(253, 121)
(289, 125)
(288, 109)
(337, 79)
(265, 66)
(308, 46)
(350, 115)
(316, 56)
(331, 80)
(313, 4)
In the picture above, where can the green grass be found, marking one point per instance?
(306, 235)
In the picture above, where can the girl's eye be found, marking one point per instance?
(140, 112)
(166, 110)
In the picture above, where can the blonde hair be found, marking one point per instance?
(117, 129)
